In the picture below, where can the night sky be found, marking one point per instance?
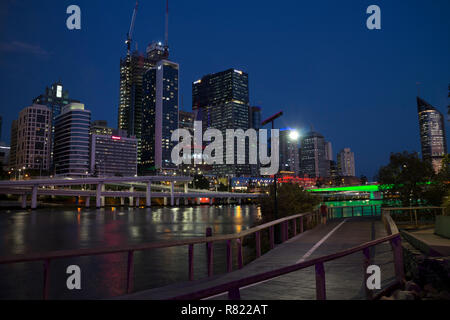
(315, 60)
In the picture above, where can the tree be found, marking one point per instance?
(292, 199)
(200, 182)
(363, 180)
(407, 177)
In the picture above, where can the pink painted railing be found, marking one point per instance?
(209, 241)
(233, 288)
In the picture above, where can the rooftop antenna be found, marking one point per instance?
(166, 37)
(130, 32)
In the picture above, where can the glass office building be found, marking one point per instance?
(313, 160)
(160, 117)
(432, 134)
(221, 101)
(71, 148)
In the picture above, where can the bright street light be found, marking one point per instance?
(294, 135)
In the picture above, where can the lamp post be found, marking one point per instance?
(277, 233)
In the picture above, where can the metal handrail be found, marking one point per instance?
(233, 288)
(48, 257)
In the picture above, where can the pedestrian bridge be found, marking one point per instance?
(64, 187)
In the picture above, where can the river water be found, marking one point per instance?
(44, 230)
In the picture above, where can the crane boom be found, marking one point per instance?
(130, 32)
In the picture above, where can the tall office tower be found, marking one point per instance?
(55, 98)
(160, 117)
(432, 134)
(222, 101)
(312, 156)
(289, 155)
(254, 115)
(71, 152)
(329, 157)
(34, 138)
(13, 145)
(346, 163)
(113, 155)
(186, 120)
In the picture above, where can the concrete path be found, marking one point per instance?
(344, 277)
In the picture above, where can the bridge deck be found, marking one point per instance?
(344, 277)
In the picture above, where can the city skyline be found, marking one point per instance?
(383, 70)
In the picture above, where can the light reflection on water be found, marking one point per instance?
(45, 230)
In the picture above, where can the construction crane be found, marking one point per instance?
(130, 32)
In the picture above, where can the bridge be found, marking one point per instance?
(313, 260)
(49, 187)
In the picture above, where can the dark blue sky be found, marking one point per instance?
(316, 60)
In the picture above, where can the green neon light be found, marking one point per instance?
(367, 188)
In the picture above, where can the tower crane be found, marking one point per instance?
(130, 32)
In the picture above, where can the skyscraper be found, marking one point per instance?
(222, 102)
(55, 98)
(313, 161)
(160, 116)
(71, 151)
(346, 163)
(33, 138)
(13, 145)
(289, 155)
(432, 133)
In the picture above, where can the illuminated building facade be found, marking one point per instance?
(432, 134)
(160, 117)
(221, 101)
(71, 151)
(313, 161)
(346, 163)
(33, 138)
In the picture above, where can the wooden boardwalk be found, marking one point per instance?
(344, 277)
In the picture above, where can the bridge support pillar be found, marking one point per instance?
(240, 201)
(148, 195)
(24, 201)
(88, 202)
(172, 186)
(185, 188)
(228, 200)
(165, 201)
(211, 201)
(138, 201)
(98, 196)
(198, 201)
(131, 199)
(122, 201)
(34, 197)
(177, 202)
(103, 198)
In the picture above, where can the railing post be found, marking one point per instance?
(209, 247)
(398, 257)
(371, 208)
(130, 271)
(191, 262)
(272, 238)
(229, 257)
(239, 253)
(353, 211)
(301, 224)
(415, 216)
(295, 226)
(210, 259)
(234, 294)
(366, 253)
(46, 279)
(320, 282)
(258, 244)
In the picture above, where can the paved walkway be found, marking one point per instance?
(344, 277)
